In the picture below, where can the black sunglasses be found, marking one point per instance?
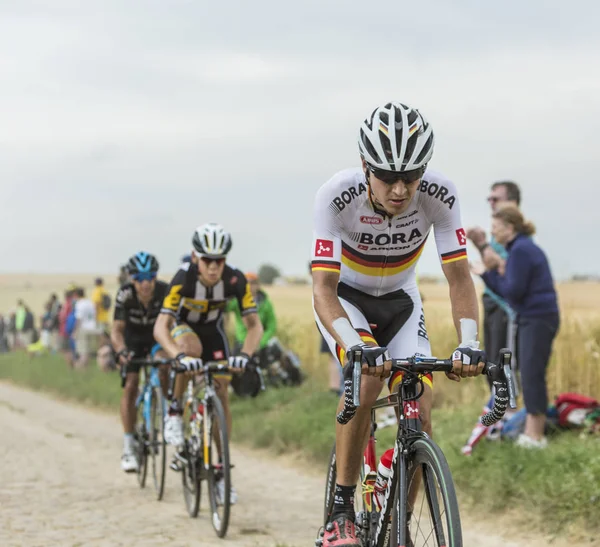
(208, 261)
(392, 177)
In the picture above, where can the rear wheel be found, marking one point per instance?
(219, 471)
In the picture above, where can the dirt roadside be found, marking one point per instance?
(61, 484)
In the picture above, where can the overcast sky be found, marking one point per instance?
(124, 125)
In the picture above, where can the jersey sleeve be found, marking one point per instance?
(175, 291)
(326, 250)
(243, 295)
(450, 237)
(123, 296)
(232, 305)
(269, 322)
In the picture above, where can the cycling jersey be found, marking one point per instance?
(191, 302)
(374, 253)
(139, 320)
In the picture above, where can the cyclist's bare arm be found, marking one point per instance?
(117, 335)
(254, 333)
(330, 310)
(463, 300)
(463, 297)
(162, 334)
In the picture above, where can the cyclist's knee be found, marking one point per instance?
(425, 403)
(370, 389)
(187, 341)
(190, 345)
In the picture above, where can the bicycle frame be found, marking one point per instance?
(406, 401)
(150, 381)
(192, 400)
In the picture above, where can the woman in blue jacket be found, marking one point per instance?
(528, 287)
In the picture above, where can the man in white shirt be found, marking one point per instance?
(85, 327)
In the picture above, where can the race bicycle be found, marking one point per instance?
(149, 430)
(417, 461)
(205, 452)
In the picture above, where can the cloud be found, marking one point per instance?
(238, 112)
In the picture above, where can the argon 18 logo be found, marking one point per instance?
(371, 220)
(461, 236)
(324, 247)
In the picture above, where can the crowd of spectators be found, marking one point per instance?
(74, 327)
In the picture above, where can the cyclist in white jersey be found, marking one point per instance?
(370, 227)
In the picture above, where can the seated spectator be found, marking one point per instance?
(105, 356)
(266, 313)
(528, 287)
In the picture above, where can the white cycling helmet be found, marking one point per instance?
(396, 137)
(212, 240)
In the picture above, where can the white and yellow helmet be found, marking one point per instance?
(212, 240)
(396, 137)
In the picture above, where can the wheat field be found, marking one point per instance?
(575, 364)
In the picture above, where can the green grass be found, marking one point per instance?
(555, 487)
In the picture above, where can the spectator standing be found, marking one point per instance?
(123, 275)
(63, 315)
(498, 316)
(11, 331)
(526, 282)
(54, 310)
(3, 334)
(24, 325)
(85, 331)
(102, 302)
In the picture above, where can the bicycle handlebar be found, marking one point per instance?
(424, 365)
(209, 366)
(142, 361)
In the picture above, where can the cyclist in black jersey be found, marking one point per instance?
(190, 324)
(137, 306)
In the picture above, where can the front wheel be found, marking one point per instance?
(158, 446)
(192, 461)
(432, 503)
(141, 438)
(218, 466)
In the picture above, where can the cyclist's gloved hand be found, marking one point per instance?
(376, 360)
(123, 357)
(239, 362)
(192, 364)
(468, 360)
